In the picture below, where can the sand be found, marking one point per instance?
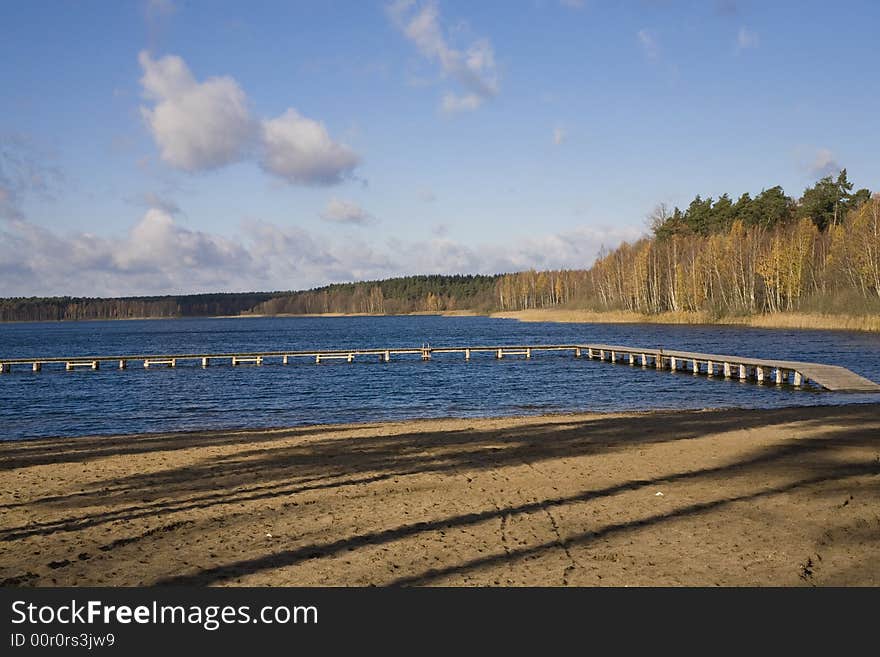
(786, 497)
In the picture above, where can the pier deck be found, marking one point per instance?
(759, 370)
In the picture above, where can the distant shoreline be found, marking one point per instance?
(817, 321)
(444, 313)
(787, 320)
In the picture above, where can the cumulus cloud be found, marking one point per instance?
(746, 39)
(346, 212)
(197, 125)
(200, 126)
(299, 150)
(473, 68)
(824, 164)
(156, 255)
(648, 41)
(159, 256)
(559, 135)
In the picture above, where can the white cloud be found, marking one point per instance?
(559, 135)
(159, 256)
(197, 125)
(200, 126)
(453, 103)
(155, 256)
(746, 39)
(346, 212)
(648, 41)
(300, 150)
(824, 164)
(472, 68)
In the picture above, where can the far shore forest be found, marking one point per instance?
(720, 257)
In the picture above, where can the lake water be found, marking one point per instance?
(57, 403)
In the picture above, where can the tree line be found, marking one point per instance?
(392, 296)
(767, 254)
(31, 309)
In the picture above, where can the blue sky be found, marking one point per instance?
(171, 146)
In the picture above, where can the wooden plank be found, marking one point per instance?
(830, 377)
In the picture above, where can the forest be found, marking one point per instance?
(392, 296)
(819, 253)
(767, 254)
(33, 309)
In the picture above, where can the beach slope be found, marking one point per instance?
(787, 497)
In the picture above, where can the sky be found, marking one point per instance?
(180, 146)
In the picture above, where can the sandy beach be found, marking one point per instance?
(787, 497)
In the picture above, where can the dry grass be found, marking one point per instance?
(775, 320)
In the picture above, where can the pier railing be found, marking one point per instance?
(829, 377)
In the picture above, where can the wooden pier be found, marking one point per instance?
(762, 371)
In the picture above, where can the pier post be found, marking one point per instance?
(601, 354)
(37, 367)
(644, 360)
(696, 366)
(500, 354)
(467, 354)
(658, 361)
(743, 372)
(4, 368)
(284, 359)
(710, 368)
(673, 364)
(590, 353)
(727, 372)
(387, 356)
(317, 359)
(613, 356)
(122, 364)
(350, 358)
(528, 353)
(759, 374)
(798, 378)
(632, 359)
(577, 352)
(204, 361)
(426, 354)
(780, 376)
(94, 364)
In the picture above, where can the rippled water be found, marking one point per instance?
(57, 403)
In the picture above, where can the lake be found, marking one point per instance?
(110, 401)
